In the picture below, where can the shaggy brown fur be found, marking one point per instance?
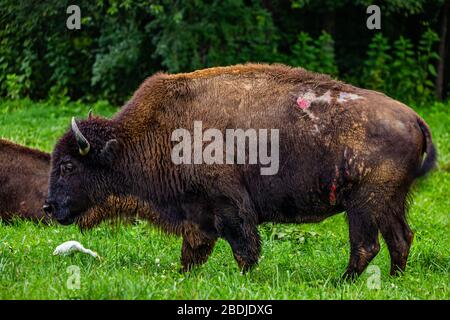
(356, 155)
(23, 181)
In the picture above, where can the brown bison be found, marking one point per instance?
(340, 148)
(23, 181)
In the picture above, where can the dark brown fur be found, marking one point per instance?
(23, 181)
(360, 156)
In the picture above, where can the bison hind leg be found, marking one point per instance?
(364, 245)
(383, 209)
(396, 233)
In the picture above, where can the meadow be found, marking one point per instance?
(140, 262)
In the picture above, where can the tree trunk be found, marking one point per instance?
(442, 52)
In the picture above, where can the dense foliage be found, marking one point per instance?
(122, 42)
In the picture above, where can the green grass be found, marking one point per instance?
(140, 262)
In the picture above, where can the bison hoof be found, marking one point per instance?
(396, 271)
(350, 276)
(184, 270)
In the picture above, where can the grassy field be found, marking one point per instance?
(139, 262)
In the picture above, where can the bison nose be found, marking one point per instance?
(47, 208)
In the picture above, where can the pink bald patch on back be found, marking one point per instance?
(303, 103)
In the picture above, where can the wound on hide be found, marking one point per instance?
(333, 194)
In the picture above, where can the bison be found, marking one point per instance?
(341, 148)
(23, 181)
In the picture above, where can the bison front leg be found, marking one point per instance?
(244, 239)
(236, 222)
(246, 245)
(194, 254)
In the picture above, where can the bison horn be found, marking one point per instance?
(83, 143)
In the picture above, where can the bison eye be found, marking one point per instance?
(66, 168)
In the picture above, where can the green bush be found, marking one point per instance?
(197, 34)
(123, 42)
(315, 55)
(376, 67)
(401, 70)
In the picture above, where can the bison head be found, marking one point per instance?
(83, 169)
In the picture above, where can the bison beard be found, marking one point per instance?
(341, 149)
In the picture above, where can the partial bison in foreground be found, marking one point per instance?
(23, 181)
(340, 148)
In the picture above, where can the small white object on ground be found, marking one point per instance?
(69, 247)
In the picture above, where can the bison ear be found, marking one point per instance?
(110, 151)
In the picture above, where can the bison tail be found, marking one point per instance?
(428, 148)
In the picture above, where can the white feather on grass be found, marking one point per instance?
(69, 247)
